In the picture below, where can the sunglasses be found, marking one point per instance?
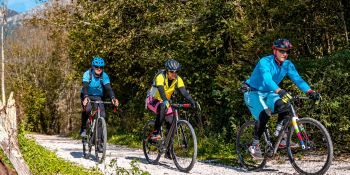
(98, 67)
(284, 51)
(173, 71)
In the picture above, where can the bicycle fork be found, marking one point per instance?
(184, 144)
(295, 118)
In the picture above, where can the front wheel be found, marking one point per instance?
(318, 153)
(100, 130)
(87, 141)
(152, 153)
(243, 142)
(185, 146)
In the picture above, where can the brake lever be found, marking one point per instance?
(319, 99)
(312, 107)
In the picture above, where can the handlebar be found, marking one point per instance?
(316, 102)
(101, 102)
(185, 106)
(181, 105)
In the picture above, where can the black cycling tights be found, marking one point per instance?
(264, 117)
(160, 117)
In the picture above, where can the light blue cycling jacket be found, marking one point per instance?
(268, 74)
(95, 87)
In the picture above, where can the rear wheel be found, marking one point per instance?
(87, 141)
(318, 153)
(243, 142)
(185, 146)
(100, 127)
(150, 149)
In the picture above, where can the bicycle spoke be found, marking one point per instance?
(317, 156)
(243, 142)
(185, 147)
(149, 146)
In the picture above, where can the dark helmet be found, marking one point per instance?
(282, 43)
(172, 65)
(98, 61)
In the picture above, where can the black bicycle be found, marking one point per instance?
(180, 141)
(315, 154)
(92, 131)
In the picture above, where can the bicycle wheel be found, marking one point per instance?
(87, 141)
(318, 154)
(102, 128)
(185, 146)
(244, 140)
(152, 153)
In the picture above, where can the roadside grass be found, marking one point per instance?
(42, 161)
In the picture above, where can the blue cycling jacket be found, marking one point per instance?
(95, 87)
(268, 74)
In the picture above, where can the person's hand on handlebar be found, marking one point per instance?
(115, 102)
(197, 107)
(315, 96)
(86, 101)
(285, 96)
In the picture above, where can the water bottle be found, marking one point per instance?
(278, 128)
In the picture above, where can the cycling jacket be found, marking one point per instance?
(268, 74)
(95, 87)
(169, 89)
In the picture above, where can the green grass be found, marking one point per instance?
(43, 161)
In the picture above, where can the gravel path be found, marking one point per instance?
(71, 149)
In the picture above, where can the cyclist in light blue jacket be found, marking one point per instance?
(262, 93)
(93, 80)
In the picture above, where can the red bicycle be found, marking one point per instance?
(93, 127)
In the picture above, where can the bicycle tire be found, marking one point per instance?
(320, 142)
(244, 140)
(186, 150)
(152, 153)
(100, 156)
(87, 140)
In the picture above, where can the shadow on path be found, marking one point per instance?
(144, 161)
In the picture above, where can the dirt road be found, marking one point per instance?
(71, 149)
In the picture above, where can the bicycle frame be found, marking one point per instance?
(293, 119)
(98, 110)
(166, 145)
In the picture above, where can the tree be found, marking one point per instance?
(3, 17)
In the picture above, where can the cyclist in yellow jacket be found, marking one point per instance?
(166, 83)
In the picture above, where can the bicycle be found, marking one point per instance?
(183, 148)
(92, 130)
(313, 157)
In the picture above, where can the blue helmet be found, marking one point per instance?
(172, 65)
(98, 61)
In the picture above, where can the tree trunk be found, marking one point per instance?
(2, 52)
(342, 17)
(8, 137)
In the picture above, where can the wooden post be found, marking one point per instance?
(8, 136)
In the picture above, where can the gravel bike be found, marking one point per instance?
(315, 154)
(92, 131)
(180, 141)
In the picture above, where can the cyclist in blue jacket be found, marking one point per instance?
(92, 90)
(261, 91)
